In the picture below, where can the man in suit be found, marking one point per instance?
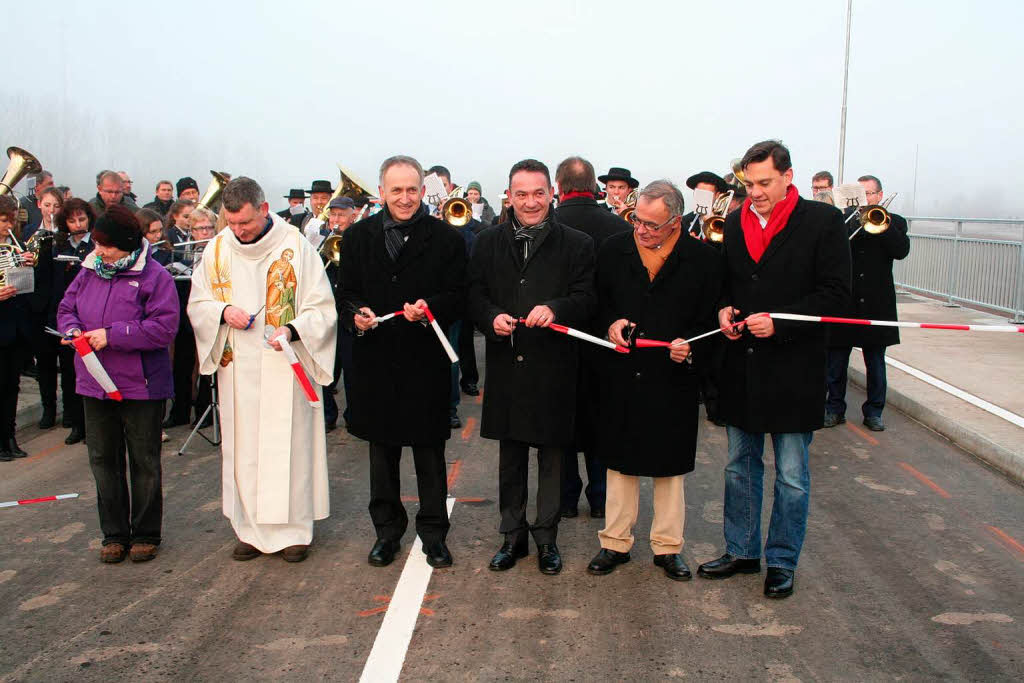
(874, 298)
(402, 259)
(579, 209)
(782, 254)
(523, 276)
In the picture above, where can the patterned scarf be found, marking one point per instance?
(108, 270)
(525, 235)
(396, 233)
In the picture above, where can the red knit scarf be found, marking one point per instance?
(758, 238)
(573, 195)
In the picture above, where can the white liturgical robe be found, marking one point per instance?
(274, 476)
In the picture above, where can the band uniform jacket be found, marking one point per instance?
(648, 414)
(777, 384)
(874, 293)
(401, 377)
(531, 376)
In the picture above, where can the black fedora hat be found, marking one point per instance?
(707, 177)
(321, 186)
(295, 193)
(616, 173)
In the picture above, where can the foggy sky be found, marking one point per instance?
(666, 89)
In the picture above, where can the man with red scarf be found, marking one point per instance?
(783, 254)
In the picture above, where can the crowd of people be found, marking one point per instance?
(153, 306)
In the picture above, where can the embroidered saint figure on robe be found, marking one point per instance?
(281, 285)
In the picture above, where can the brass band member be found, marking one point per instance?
(654, 282)
(705, 180)
(874, 297)
(536, 269)
(618, 183)
(782, 254)
(15, 341)
(402, 259)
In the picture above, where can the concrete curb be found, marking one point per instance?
(974, 442)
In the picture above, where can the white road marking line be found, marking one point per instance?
(1012, 418)
(392, 643)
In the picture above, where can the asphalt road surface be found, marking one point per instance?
(913, 569)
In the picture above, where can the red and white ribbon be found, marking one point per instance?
(572, 332)
(95, 368)
(654, 343)
(300, 372)
(440, 335)
(389, 316)
(45, 499)
(893, 323)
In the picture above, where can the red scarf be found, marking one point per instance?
(758, 238)
(573, 195)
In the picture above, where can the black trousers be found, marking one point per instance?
(513, 490)
(572, 484)
(467, 354)
(342, 366)
(12, 360)
(184, 364)
(49, 355)
(129, 513)
(386, 510)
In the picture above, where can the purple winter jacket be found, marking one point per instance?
(139, 309)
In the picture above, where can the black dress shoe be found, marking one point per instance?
(727, 565)
(470, 389)
(438, 555)
(832, 420)
(569, 513)
(244, 551)
(606, 561)
(778, 583)
(49, 418)
(454, 422)
(5, 456)
(549, 560)
(674, 566)
(597, 513)
(507, 555)
(77, 434)
(875, 424)
(383, 553)
(15, 450)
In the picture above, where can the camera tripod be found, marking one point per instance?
(214, 407)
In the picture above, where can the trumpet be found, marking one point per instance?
(456, 210)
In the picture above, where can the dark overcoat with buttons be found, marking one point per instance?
(530, 394)
(777, 384)
(648, 414)
(400, 376)
(874, 293)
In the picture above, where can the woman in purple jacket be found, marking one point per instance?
(125, 304)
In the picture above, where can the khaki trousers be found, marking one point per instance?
(622, 508)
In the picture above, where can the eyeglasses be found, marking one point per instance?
(637, 223)
(874, 192)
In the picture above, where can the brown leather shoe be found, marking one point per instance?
(142, 552)
(243, 551)
(112, 553)
(295, 553)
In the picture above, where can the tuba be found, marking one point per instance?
(456, 210)
(628, 209)
(22, 163)
(213, 192)
(349, 185)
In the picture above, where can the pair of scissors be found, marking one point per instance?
(252, 317)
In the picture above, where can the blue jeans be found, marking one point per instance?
(874, 366)
(744, 486)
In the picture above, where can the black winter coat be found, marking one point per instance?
(401, 376)
(778, 384)
(531, 377)
(587, 216)
(874, 294)
(648, 415)
(160, 206)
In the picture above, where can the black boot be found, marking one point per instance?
(77, 434)
(13, 448)
(49, 418)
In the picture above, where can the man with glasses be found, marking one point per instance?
(874, 298)
(110, 191)
(524, 275)
(782, 254)
(821, 187)
(653, 283)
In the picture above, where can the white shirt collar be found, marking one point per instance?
(760, 218)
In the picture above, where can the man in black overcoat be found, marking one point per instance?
(579, 209)
(401, 259)
(537, 270)
(874, 298)
(782, 254)
(653, 283)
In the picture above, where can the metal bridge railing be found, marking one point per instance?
(966, 270)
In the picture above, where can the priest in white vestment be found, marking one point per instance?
(260, 280)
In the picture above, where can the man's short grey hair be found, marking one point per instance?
(666, 191)
(399, 160)
(41, 177)
(873, 179)
(242, 191)
(109, 175)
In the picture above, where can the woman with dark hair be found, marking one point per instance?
(73, 223)
(124, 305)
(48, 203)
(153, 232)
(15, 340)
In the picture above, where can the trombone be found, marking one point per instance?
(874, 219)
(330, 250)
(714, 226)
